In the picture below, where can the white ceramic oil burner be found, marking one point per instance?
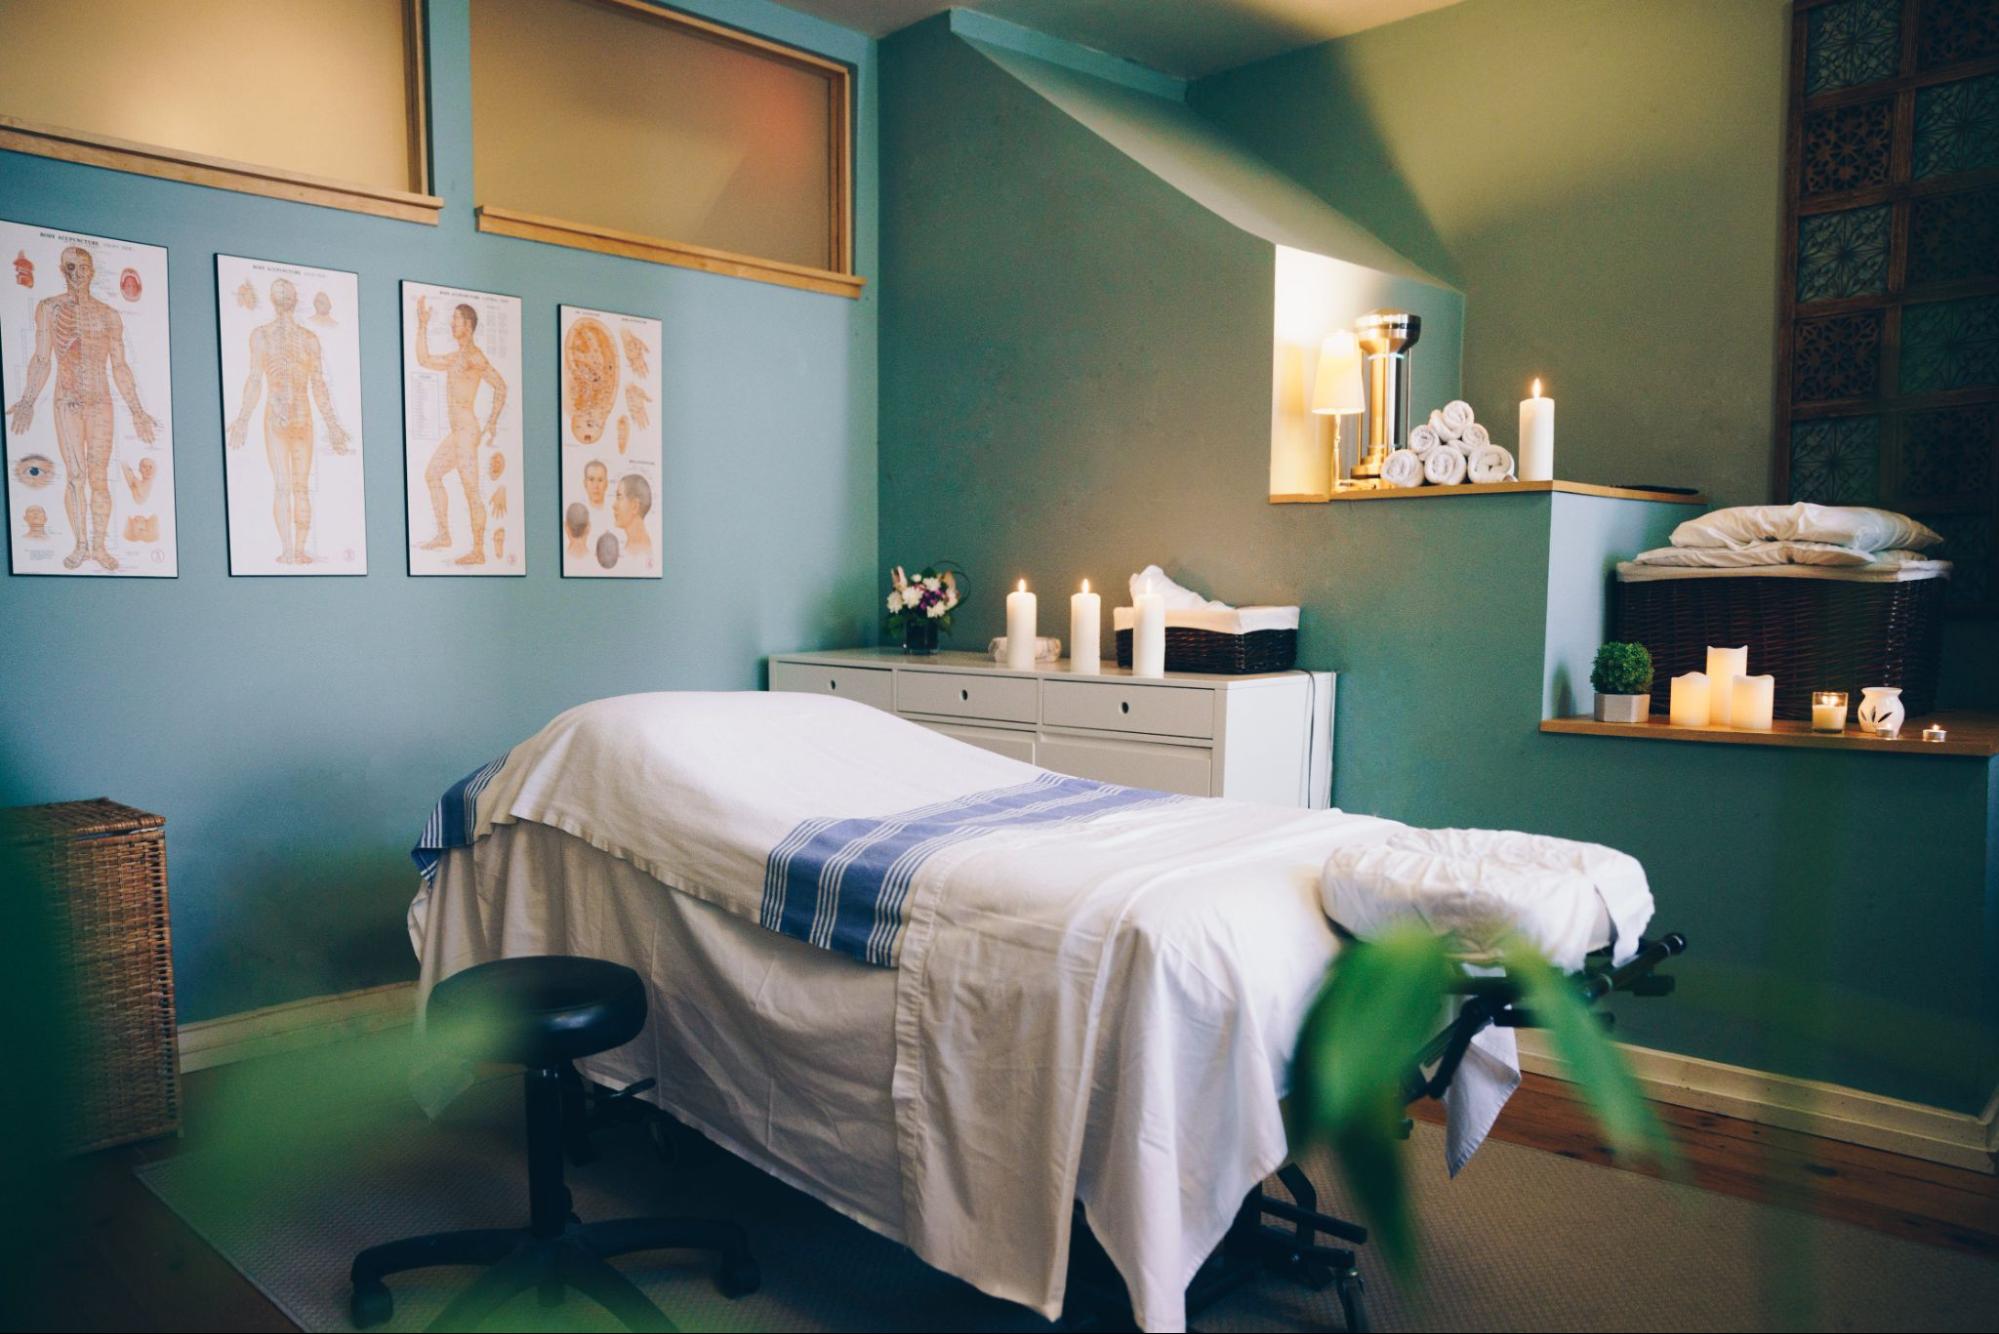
(1881, 710)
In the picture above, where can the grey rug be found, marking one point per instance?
(1522, 1240)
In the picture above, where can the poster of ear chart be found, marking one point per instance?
(85, 393)
(291, 412)
(462, 431)
(610, 445)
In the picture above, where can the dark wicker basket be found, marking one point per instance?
(106, 864)
(1811, 634)
(1191, 650)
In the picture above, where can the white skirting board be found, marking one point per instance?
(1957, 1139)
(295, 1026)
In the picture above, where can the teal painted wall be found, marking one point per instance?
(294, 732)
(1074, 381)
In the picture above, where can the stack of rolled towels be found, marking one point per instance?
(1449, 449)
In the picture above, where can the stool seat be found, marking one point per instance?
(538, 1010)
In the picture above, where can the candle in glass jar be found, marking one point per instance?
(1148, 635)
(1537, 437)
(1086, 614)
(1689, 706)
(1021, 629)
(1828, 710)
(1754, 702)
(1723, 666)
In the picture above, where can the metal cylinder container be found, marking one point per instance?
(1386, 336)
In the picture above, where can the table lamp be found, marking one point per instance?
(1336, 392)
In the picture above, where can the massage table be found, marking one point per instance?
(968, 1003)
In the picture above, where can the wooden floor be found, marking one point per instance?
(112, 1257)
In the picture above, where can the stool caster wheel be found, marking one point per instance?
(371, 1304)
(1353, 1300)
(739, 1277)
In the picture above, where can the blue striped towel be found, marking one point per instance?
(454, 821)
(842, 884)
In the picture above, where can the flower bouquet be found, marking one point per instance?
(920, 607)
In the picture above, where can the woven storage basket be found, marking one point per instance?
(1191, 650)
(107, 866)
(1811, 634)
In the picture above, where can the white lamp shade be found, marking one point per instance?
(1336, 386)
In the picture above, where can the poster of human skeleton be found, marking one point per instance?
(291, 413)
(462, 431)
(86, 401)
(610, 445)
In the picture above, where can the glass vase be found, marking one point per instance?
(919, 636)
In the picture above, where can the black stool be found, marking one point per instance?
(543, 1013)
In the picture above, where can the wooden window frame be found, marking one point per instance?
(839, 281)
(175, 164)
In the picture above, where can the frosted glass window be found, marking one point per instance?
(325, 90)
(618, 116)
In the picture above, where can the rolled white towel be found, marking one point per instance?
(1490, 463)
(1457, 415)
(1403, 468)
(1444, 430)
(1475, 438)
(1444, 467)
(1423, 439)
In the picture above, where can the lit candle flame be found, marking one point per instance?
(1086, 585)
(1537, 386)
(1023, 586)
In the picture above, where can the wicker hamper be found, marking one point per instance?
(1191, 650)
(107, 864)
(1811, 634)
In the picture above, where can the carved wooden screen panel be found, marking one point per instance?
(1888, 349)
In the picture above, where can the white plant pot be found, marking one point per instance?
(1623, 708)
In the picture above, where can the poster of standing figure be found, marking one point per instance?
(291, 408)
(86, 401)
(462, 430)
(610, 445)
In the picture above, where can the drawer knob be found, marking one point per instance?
(965, 695)
(1124, 706)
(832, 683)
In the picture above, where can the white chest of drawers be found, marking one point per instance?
(1262, 738)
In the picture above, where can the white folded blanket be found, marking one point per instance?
(1404, 467)
(1444, 467)
(1479, 887)
(1490, 463)
(1840, 525)
(1781, 553)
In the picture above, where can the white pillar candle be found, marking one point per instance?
(1536, 455)
(1755, 698)
(1021, 629)
(1086, 615)
(1828, 710)
(1690, 701)
(1723, 665)
(1148, 635)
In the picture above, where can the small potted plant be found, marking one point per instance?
(1622, 679)
(920, 608)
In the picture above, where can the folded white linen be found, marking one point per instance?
(1234, 621)
(1475, 438)
(1458, 416)
(1423, 439)
(1758, 553)
(1900, 571)
(1045, 649)
(1444, 467)
(1485, 1079)
(1839, 525)
(1444, 430)
(1152, 579)
(1490, 463)
(1481, 887)
(1403, 468)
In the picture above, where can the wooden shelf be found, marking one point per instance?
(1495, 489)
(1972, 734)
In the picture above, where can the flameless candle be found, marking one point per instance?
(1723, 665)
(1754, 701)
(1935, 732)
(1148, 635)
(1828, 710)
(1086, 614)
(1537, 438)
(1020, 629)
(1689, 707)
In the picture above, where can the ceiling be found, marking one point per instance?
(1185, 38)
